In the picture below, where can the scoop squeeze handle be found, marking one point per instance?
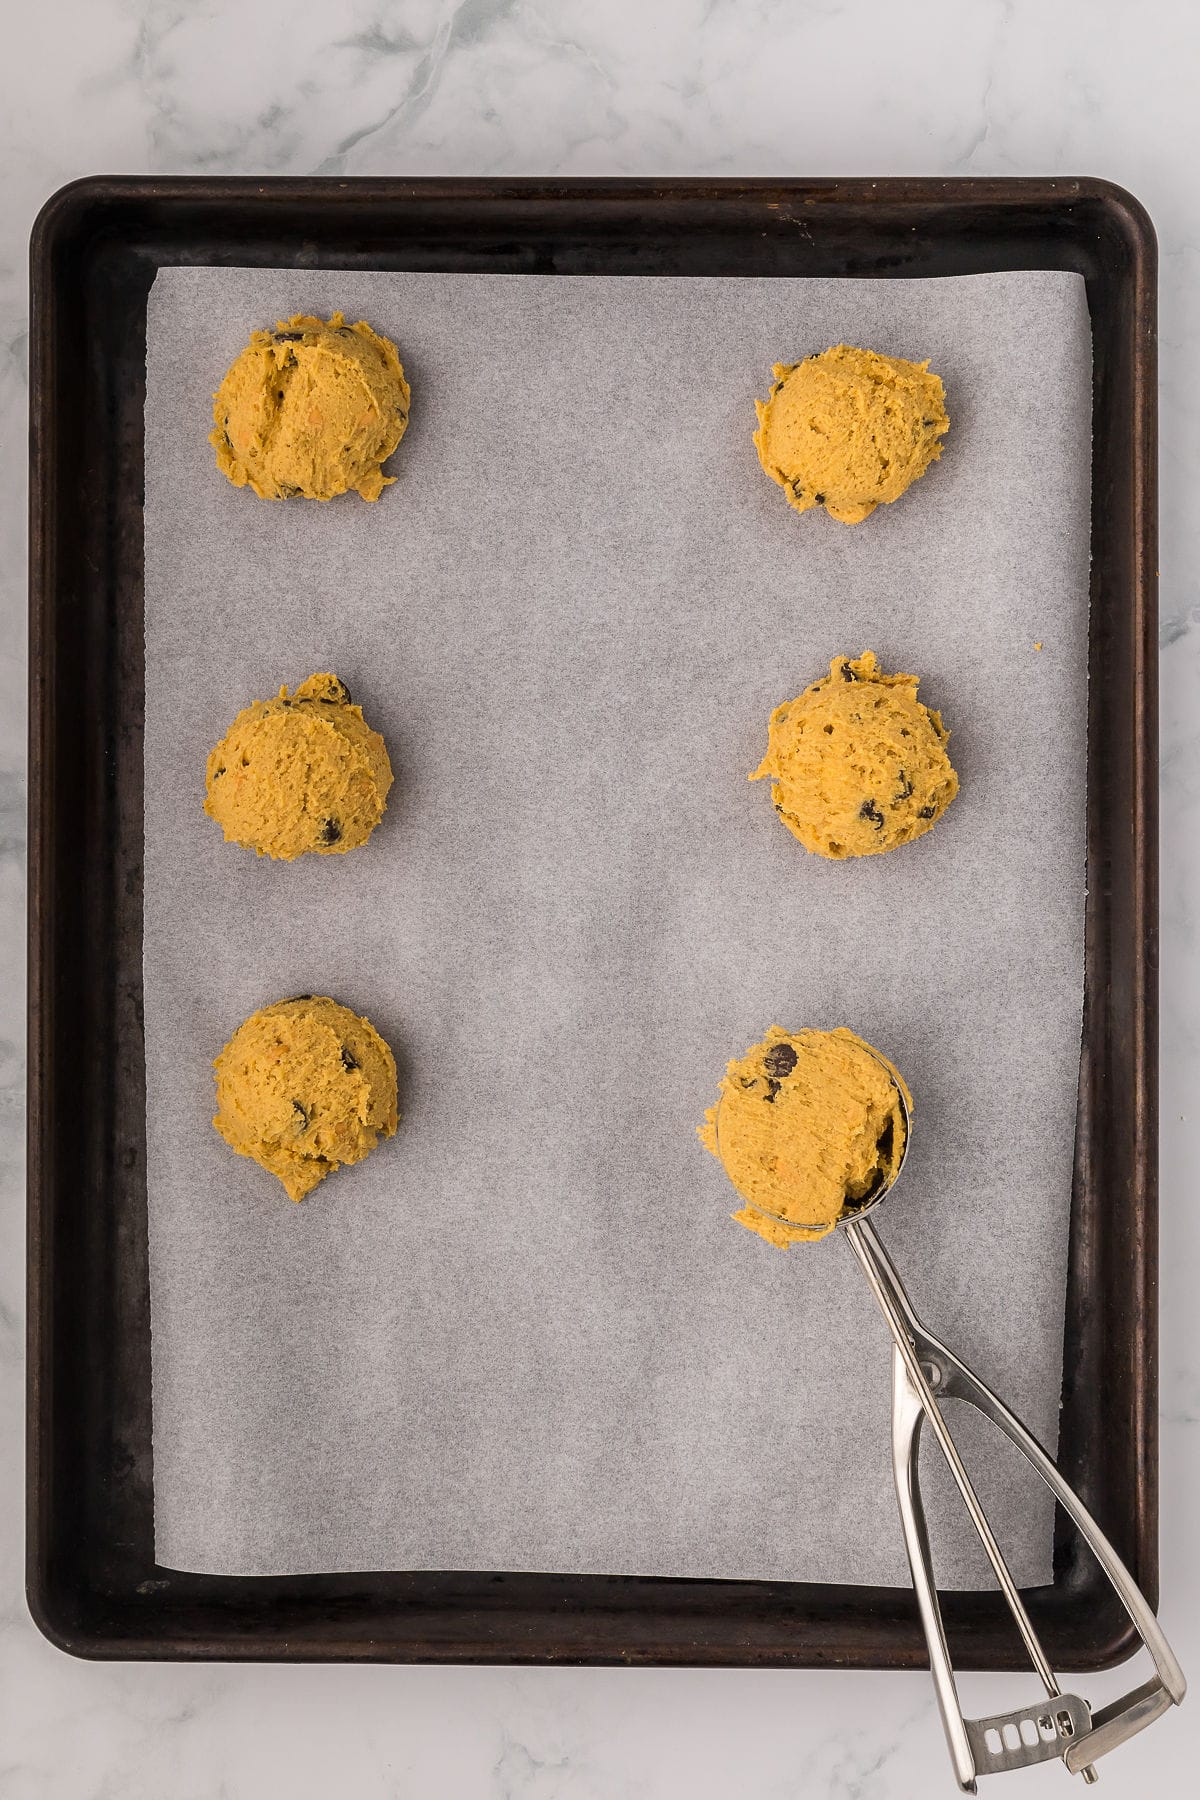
(923, 1372)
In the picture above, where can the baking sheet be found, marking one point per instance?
(524, 1335)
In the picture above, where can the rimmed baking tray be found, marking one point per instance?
(92, 1583)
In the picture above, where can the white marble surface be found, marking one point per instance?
(804, 87)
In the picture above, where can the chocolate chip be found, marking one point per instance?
(339, 694)
(847, 673)
(331, 831)
(301, 1111)
(347, 331)
(287, 337)
(772, 1089)
(906, 788)
(869, 810)
(820, 499)
(217, 773)
(348, 1061)
(927, 421)
(286, 490)
(926, 812)
(780, 1060)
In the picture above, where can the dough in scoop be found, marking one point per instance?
(808, 1123)
(850, 430)
(300, 772)
(304, 1086)
(857, 764)
(311, 409)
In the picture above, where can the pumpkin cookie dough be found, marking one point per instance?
(304, 1086)
(311, 409)
(850, 430)
(808, 1123)
(300, 772)
(857, 764)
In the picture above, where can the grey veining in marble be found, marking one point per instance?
(728, 87)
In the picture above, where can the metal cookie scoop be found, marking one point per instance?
(924, 1371)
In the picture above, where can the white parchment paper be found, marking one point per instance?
(524, 1334)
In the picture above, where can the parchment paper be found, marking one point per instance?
(524, 1334)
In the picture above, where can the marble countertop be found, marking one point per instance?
(505, 87)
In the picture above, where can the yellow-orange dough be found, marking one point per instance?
(304, 1086)
(850, 430)
(857, 764)
(311, 409)
(300, 772)
(808, 1123)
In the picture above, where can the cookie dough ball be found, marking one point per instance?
(300, 772)
(857, 764)
(808, 1124)
(311, 409)
(304, 1086)
(850, 430)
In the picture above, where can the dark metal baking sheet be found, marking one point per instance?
(93, 1586)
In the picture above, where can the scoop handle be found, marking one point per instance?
(908, 1336)
(924, 1371)
(977, 1746)
(949, 1378)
